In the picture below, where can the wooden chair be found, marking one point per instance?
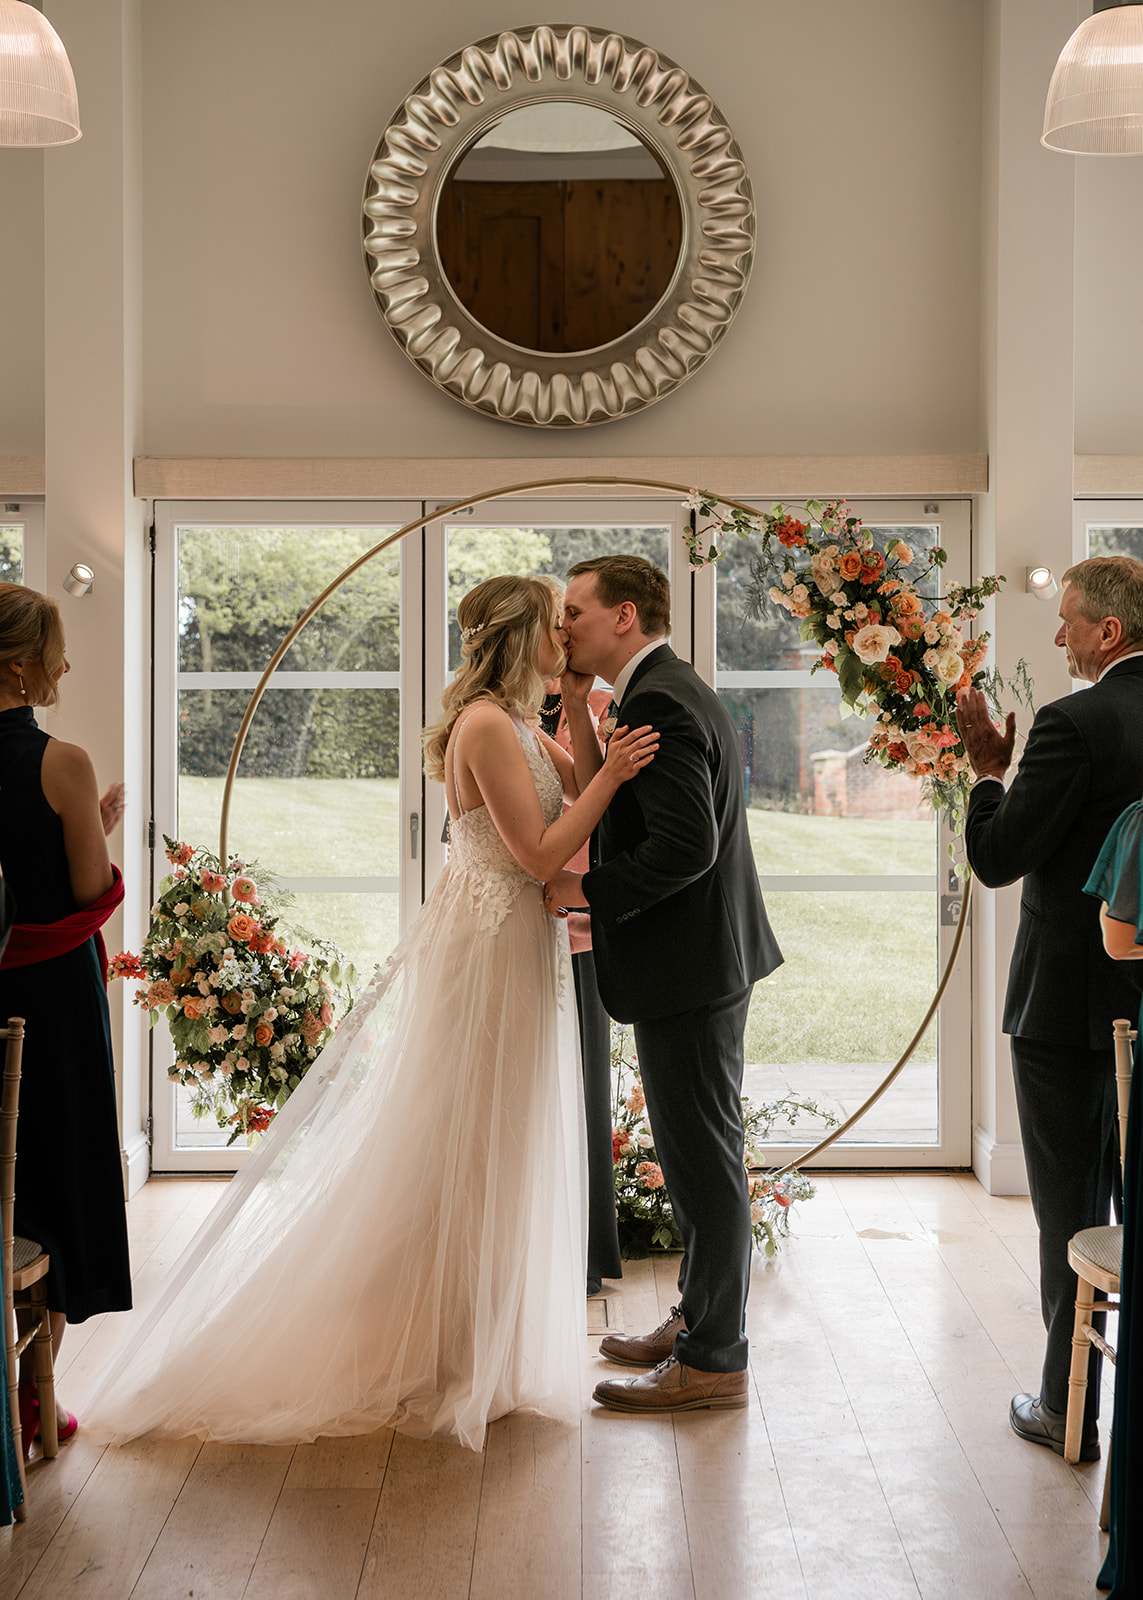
(25, 1271)
(1095, 1256)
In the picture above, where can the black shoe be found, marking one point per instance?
(1039, 1424)
(594, 1286)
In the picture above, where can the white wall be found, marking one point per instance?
(21, 302)
(1109, 307)
(858, 334)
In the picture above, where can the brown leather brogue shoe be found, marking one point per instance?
(673, 1387)
(647, 1349)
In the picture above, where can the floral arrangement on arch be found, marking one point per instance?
(897, 656)
(247, 1008)
(646, 1221)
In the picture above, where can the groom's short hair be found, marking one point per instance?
(619, 578)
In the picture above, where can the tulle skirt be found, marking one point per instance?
(406, 1245)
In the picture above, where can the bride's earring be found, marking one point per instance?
(23, 691)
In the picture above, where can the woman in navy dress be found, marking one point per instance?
(53, 847)
(1117, 880)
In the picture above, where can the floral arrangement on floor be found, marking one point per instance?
(247, 1008)
(646, 1221)
(897, 656)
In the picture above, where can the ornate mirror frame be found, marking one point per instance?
(459, 100)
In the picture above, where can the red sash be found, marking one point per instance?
(30, 942)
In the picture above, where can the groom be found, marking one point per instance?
(680, 935)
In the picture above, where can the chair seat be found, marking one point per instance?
(1103, 1247)
(24, 1252)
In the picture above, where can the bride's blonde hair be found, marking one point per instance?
(503, 623)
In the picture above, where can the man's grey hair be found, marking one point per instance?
(1110, 586)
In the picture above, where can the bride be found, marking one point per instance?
(405, 1247)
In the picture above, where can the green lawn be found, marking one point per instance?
(859, 970)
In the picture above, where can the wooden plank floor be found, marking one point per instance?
(875, 1458)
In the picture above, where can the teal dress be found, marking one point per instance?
(1117, 877)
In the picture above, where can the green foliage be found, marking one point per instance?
(241, 590)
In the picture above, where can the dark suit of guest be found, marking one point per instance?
(680, 936)
(1082, 765)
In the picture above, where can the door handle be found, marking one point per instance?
(414, 833)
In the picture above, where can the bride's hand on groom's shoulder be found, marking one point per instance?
(629, 751)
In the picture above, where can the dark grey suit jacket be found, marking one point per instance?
(1081, 767)
(677, 918)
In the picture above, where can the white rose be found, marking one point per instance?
(833, 620)
(929, 659)
(799, 593)
(948, 666)
(874, 642)
(932, 634)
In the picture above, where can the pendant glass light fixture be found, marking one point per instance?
(38, 102)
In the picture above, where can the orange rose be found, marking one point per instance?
(232, 1003)
(906, 604)
(263, 1034)
(192, 1007)
(242, 927)
(850, 564)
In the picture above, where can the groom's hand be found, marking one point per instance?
(564, 890)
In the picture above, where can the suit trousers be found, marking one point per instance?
(691, 1066)
(1065, 1096)
(603, 1258)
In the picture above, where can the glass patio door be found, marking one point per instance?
(330, 793)
(856, 877)
(319, 799)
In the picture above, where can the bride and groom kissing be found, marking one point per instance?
(405, 1248)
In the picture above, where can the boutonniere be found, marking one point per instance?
(607, 727)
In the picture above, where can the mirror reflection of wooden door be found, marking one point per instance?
(564, 265)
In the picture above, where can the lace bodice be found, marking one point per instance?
(480, 861)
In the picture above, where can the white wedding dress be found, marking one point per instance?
(406, 1245)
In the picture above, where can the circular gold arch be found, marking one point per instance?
(315, 606)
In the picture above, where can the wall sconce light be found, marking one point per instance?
(80, 580)
(1040, 582)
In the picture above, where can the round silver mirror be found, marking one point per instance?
(558, 226)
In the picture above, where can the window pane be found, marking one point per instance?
(11, 552)
(1113, 541)
(862, 960)
(316, 799)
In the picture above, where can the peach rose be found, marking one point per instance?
(192, 1007)
(874, 642)
(906, 604)
(242, 927)
(850, 564)
(263, 1034)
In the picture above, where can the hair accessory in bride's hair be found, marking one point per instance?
(470, 633)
